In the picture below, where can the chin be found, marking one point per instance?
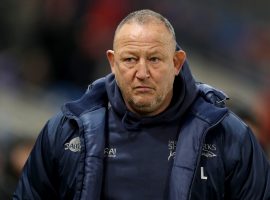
(143, 102)
(145, 106)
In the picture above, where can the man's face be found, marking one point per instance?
(145, 63)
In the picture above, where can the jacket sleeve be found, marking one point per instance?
(38, 179)
(250, 177)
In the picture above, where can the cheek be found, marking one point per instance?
(124, 75)
(168, 84)
(123, 79)
(167, 79)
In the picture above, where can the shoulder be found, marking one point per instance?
(58, 131)
(232, 131)
(95, 97)
(237, 137)
(234, 125)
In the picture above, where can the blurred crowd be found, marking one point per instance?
(13, 154)
(50, 50)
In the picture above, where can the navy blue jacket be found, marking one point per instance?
(217, 156)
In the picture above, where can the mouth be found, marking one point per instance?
(143, 89)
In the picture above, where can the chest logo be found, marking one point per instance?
(73, 145)
(209, 150)
(171, 148)
(110, 152)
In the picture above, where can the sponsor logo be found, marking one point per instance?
(208, 150)
(110, 152)
(172, 148)
(74, 145)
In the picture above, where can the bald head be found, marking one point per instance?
(145, 62)
(146, 17)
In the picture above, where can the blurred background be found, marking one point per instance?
(50, 50)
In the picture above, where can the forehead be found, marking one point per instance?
(149, 33)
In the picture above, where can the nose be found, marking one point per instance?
(142, 70)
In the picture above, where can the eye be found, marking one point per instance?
(130, 60)
(154, 59)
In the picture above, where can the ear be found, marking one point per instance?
(110, 57)
(178, 60)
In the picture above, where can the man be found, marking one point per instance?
(146, 131)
